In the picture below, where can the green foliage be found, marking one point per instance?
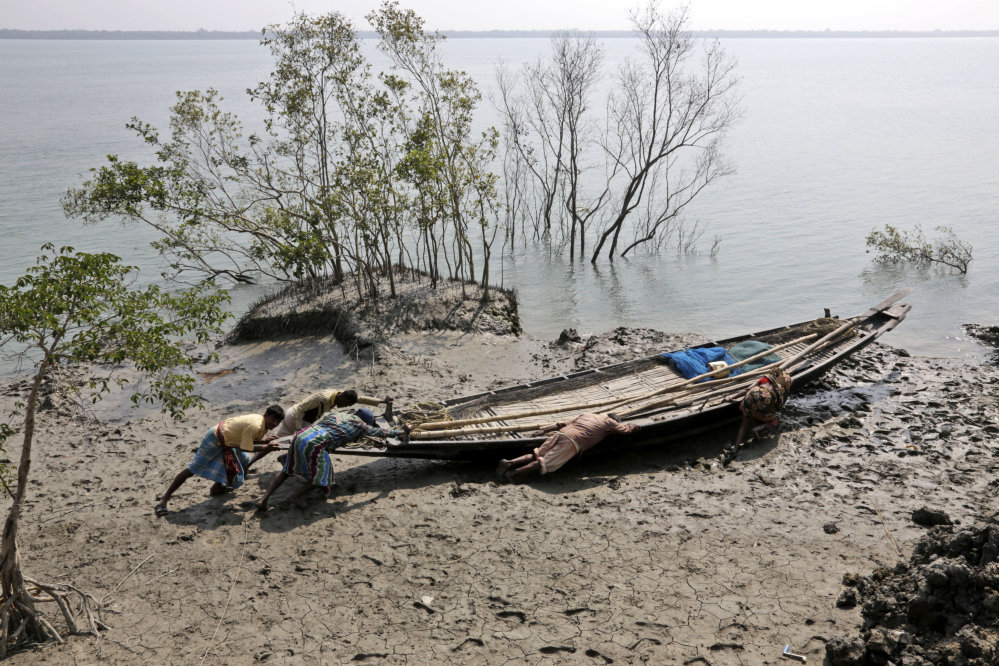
(74, 307)
(353, 171)
(894, 245)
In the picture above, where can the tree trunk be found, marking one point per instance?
(15, 599)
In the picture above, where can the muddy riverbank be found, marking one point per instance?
(662, 556)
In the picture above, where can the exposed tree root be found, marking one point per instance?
(82, 613)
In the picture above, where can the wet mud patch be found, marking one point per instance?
(827, 402)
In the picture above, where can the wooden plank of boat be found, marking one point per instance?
(692, 409)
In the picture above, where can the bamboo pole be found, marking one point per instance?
(708, 390)
(445, 434)
(451, 425)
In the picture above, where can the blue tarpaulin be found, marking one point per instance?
(693, 362)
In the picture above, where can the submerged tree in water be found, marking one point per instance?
(77, 308)
(577, 174)
(894, 245)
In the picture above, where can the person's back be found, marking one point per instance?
(565, 441)
(588, 429)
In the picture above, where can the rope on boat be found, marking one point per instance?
(425, 412)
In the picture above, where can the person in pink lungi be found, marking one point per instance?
(566, 441)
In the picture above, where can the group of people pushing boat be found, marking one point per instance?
(327, 420)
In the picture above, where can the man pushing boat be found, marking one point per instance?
(303, 414)
(309, 452)
(222, 456)
(566, 441)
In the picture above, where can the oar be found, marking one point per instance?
(609, 402)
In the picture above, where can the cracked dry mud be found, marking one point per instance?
(656, 557)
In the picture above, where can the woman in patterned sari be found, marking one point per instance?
(763, 400)
(309, 453)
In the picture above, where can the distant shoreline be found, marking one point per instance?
(6, 33)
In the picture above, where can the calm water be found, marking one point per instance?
(839, 136)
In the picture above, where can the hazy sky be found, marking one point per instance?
(447, 15)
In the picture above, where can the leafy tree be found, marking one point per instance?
(447, 166)
(78, 308)
(353, 172)
(894, 245)
(654, 150)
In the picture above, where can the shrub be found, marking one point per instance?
(894, 245)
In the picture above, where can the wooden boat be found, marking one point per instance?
(648, 392)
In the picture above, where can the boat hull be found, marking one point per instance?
(689, 418)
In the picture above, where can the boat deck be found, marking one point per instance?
(611, 393)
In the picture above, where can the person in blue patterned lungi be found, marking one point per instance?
(309, 453)
(221, 457)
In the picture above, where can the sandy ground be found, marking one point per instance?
(659, 557)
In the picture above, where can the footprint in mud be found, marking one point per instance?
(512, 613)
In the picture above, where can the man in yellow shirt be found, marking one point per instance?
(222, 455)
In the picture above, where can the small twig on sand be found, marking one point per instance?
(125, 578)
(153, 580)
(891, 539)
(225, 610)
(75, 508)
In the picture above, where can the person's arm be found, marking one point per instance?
(248, 441)
(372, 402)
(544, 430)
(265, 445)
(375, 431)
(624, 428)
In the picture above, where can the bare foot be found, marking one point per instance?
(218, 489)
(502, 469)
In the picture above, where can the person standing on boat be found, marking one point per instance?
(309, 453)
(303, 414)
(762, 401)
(222, 455)
(567, 440)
